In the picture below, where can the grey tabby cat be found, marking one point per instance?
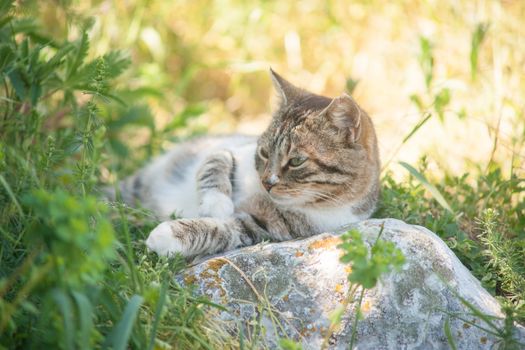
(313, 170)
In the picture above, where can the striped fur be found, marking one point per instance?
(314, 169)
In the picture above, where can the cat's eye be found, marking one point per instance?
(262, 153)
(297, 161)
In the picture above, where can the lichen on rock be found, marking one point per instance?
(291, 288)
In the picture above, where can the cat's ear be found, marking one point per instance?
(344, 113)
(287, 91)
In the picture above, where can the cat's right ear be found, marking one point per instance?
(287, 91)
(345, 114)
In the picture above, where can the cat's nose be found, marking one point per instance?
(267, 185)
(269, 182)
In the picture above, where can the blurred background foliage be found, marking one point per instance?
(460, 61)
(93, 89)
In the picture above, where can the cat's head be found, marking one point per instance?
(317, 151)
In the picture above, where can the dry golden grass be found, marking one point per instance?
(219, 53)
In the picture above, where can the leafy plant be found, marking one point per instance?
(504, 259)
(493, 255)
(73, 234)
(368, 265)
(431, 188)
(71, 274)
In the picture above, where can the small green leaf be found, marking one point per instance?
(441, 100)
(59, 56)
(82, 48)
(288, 344)
(35, 92)
(368, 266)
(416, 99)
(426, 60)
(462, 114)
(351, 84)
(18, 83)
(478, 36)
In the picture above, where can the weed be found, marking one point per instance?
(368, 265)
(488, 242)
(71, 276)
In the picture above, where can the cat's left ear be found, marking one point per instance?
(287, 91)
(345, 114)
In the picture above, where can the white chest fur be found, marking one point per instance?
(330, 219)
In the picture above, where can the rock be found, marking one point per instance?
(292, 288)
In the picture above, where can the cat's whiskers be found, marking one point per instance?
(316, 195)
(328, 197)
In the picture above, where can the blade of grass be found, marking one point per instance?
(448, 334)
(356, 319)
(129, 252)
(158, 312)
(193, 335)
(212, 304)
(416, 127)
(476, 312)
(241, 336)
(11, 195)
(473, 324)
(119, 336)
(85, 310)
(431, 188)
(64, 304)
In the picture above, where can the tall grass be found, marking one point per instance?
(75, 113)
(74, 271)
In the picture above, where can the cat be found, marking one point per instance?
(314, 169)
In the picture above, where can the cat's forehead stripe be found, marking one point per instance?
(282, 141)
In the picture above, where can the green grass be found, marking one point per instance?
(75, 273)
(75, 115)
(485, 228)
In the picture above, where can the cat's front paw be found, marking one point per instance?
(165, 240)
(215, 204)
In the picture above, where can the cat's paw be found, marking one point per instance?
(163, 239)
(215, 204)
